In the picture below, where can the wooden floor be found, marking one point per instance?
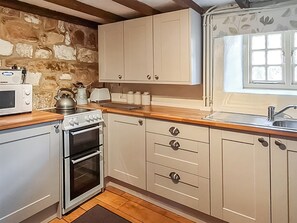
(128, 206)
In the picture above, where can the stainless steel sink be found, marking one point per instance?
(291, 124)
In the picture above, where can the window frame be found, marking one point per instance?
(287, 65)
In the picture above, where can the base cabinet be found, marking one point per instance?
(283, 180)
(126, 149)
(29, 171)
(240, 177)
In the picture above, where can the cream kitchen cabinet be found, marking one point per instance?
(163, 49)
(240, 176)
(126, 51)
(111, 52)
(177, 47)
(178, 163)
(283, 180)
(29, 170)
(126, 149)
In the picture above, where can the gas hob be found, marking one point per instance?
(79, 117)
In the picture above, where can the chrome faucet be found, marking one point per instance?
(272, 114)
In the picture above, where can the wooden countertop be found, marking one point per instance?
(35, 117)
(190, 116)
(184, 115)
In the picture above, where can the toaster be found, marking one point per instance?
(100, 95)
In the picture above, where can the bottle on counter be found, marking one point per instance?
(130, 97)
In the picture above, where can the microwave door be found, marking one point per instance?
(7, 99)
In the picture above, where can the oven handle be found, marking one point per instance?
(85, 130)
(86, 157)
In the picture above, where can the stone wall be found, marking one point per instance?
(55, 53)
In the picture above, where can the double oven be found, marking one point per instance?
(82, 158)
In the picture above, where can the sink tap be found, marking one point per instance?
(272, 114)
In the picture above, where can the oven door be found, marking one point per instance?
(82, 139)
(83, 176)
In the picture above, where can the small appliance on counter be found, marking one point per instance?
(100, 95)
(13, 76)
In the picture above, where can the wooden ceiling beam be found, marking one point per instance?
(25, 7)
(243, 3)
(88, 9)
(138, 6)
(190, 4)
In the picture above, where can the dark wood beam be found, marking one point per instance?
(190, 4)
(138, 6)
(82, 7)
(243, 3)
(25, 7)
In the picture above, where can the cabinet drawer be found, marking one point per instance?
(190, 190)
(179, 130)
(185, 155)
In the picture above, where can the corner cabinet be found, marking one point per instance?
(240, 176)
(126, 149)
(284, 180)
(159, 49)
(29, 170)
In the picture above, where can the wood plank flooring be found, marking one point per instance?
(127, 206)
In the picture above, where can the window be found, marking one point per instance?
(271, 60)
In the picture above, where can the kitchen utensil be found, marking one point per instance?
(81, 96)
(65, 101)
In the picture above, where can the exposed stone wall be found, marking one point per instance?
(55, 53)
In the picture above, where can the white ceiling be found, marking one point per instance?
(113, 7)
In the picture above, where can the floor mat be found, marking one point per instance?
(99, 214)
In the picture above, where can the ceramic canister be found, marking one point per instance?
(137, 98)
(146, 98)
(130, 97)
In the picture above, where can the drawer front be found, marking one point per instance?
(185, 155)
(190, 190)
(179, 130)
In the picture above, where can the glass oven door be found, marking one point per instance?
(84, 173)
(82, 139)
(83, 178)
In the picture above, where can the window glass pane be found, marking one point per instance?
(258, 74)
(274, 41)
(295, 39)
(258, 58)
(274, 73)
(295, 74)
(274, 57)
(258, 42)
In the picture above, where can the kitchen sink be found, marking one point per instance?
(253, 120)
(290, 124)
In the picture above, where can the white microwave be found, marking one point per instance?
(15, 99)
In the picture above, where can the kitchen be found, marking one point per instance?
(57, 53)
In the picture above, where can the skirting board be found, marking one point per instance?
(169, 205)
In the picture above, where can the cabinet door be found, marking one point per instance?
(284, 180)
(171, 47)
(240, 177)
(111, 52)
(29, 171)
(126, 149)
(138, 45)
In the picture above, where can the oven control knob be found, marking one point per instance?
(76, 121)
(71, 122)
(91, 117)
(94, 117)
(87, 118)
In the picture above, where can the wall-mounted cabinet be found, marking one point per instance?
(163, 49)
